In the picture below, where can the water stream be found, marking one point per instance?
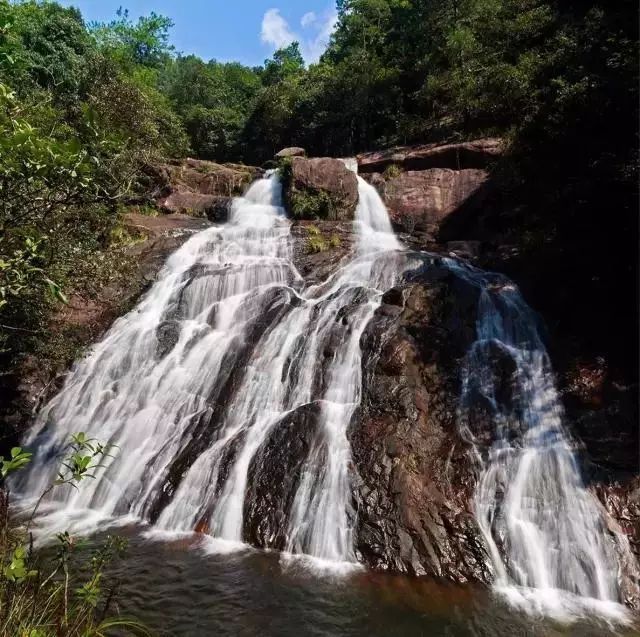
(545, 532)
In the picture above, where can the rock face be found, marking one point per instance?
(320, 247)
(423, 186)
(414, 474)
(421, 200)
(478, 153)
(293, 151)
(200, 188)
(320, 188)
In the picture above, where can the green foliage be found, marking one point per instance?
(81, 115)
(145, 42)
(285, 63)
(85, 456)
(392, 171)
(316, 244)
(15, 461)
(40, 593)
(312, 231)
(306, 204)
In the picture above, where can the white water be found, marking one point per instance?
(222, 290)
(192, 383)
(545, 532)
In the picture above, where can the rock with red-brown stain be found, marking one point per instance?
(422, 200)
(200, 188)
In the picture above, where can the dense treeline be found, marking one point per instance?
(84, 107)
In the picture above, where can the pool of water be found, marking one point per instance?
(181, 586)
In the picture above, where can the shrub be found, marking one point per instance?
(40, 596)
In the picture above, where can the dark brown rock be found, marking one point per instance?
(415, 473)
(321, 188)
(320, 247)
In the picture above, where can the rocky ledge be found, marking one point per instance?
(199, 188)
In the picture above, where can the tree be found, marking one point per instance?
(145, 42)
(285, 63)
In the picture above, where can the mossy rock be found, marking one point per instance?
(319, 188)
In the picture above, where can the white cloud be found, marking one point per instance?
(275, 30)
(314, 48)
(308, 19)
(277, 33)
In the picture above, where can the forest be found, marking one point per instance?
(86, 107)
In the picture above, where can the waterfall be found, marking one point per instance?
(544, 530)
(199, 385)
(192, 383)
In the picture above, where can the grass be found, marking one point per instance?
(392, 171)
(318, 242)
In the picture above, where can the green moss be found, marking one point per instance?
(123, 237)
(334, 241)
(307, 204)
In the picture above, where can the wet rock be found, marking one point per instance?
(464, 249)
(415, 471)
(319, 248)
(320, 188)
(168, 333)
(274, 477)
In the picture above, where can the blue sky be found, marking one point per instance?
(244, 30)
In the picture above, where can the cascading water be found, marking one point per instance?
(226, 317)
(545, 532)
(196, 382)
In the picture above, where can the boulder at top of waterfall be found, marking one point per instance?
(320, 188)
(478, 153)
(293, 151)
(199, 188)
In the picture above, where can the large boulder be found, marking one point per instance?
(320, 247)
(434, 186)
(414, 470)
(320, 188)
(422, 200)
(293, 151)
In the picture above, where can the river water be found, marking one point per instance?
(179, 587)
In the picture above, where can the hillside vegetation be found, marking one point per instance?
(85, 108)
